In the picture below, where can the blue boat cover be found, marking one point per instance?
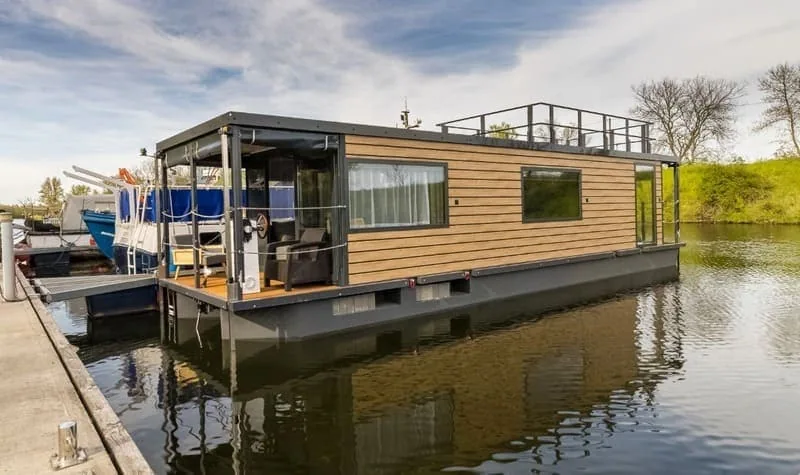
(209, 204)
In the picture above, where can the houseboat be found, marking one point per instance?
(393, 223)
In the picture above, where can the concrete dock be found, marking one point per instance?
(44, 384)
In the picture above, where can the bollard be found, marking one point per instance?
(69, 453)
(9, 287)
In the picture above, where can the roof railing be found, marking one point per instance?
(543, 122)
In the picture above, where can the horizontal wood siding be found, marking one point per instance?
(486, 227)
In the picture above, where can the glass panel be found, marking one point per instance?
(550, 194)
(645, 204)
(385, 195)
(314, 181)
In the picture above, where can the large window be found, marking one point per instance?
(396, 195)
(550, 194)
(645, 204)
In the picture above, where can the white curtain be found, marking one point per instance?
(391, 195)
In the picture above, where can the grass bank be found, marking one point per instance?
(766, 192)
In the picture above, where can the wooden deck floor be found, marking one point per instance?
(216, 286)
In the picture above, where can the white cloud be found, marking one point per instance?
(301, 59)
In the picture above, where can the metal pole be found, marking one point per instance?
(9, 289)
(530, 123)
(69, 453)
(483, 125)
(226, 203)
(552, 124)
(157, 204)
(643, 132)
(164, 243)
(238, 232)
(581, 137)
(627, 135)
(676, 201)
(605, 134)
(195, 232)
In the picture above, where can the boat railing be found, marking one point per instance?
(542, 122)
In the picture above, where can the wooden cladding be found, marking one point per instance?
(485, 211)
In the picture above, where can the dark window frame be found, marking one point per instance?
(654, 218)
(556, 169)
(392, 161)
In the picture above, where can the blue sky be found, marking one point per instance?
(89, 82)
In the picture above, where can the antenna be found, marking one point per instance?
(404, 117)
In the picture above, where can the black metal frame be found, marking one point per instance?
(441, 164)
(558, 169)
(654, 242)
(609, 133)
(201, 134)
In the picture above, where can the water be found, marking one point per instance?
(700, 376)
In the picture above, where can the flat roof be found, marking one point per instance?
(246, 119)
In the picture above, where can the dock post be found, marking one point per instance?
(9, 289)
(69, 453)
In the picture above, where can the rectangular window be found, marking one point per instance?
(387, 195)
(551, 194)
(645, 204)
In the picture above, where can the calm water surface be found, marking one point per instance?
(697, 376)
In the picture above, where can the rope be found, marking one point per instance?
(301, 208)
(308, 251)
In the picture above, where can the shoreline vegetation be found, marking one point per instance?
(761, 192)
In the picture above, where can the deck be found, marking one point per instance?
(215, 287)
(44, 384)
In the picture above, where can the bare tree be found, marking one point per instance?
(564, 134)
(692, 116)
(780, 87)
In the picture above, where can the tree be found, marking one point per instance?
(565, 135)
(780, 87)
(51, 194)
(80, 190)
(502, 130)
(692, 116)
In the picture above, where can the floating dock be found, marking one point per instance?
(44, 385)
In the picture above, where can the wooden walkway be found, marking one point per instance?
(43, 384)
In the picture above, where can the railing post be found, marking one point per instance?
(483, 125)
(646, 138)
(627, 135)
(643, 133)
(605, 133)
(530, 123)
(581, 137)
(612, 139)
(9, 289)
(444, 129)
(552, 124)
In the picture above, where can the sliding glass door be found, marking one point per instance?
(645, 204)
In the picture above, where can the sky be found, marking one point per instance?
(90, 82)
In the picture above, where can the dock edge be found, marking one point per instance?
(123, 451)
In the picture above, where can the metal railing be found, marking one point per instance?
(543, 122)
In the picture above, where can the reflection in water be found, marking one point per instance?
(696, 376)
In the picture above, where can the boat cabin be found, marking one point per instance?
(374, 209)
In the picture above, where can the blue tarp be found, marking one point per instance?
(209, 204)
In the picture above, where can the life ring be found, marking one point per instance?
(262, 226)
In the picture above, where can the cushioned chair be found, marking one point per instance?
(303, 261)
